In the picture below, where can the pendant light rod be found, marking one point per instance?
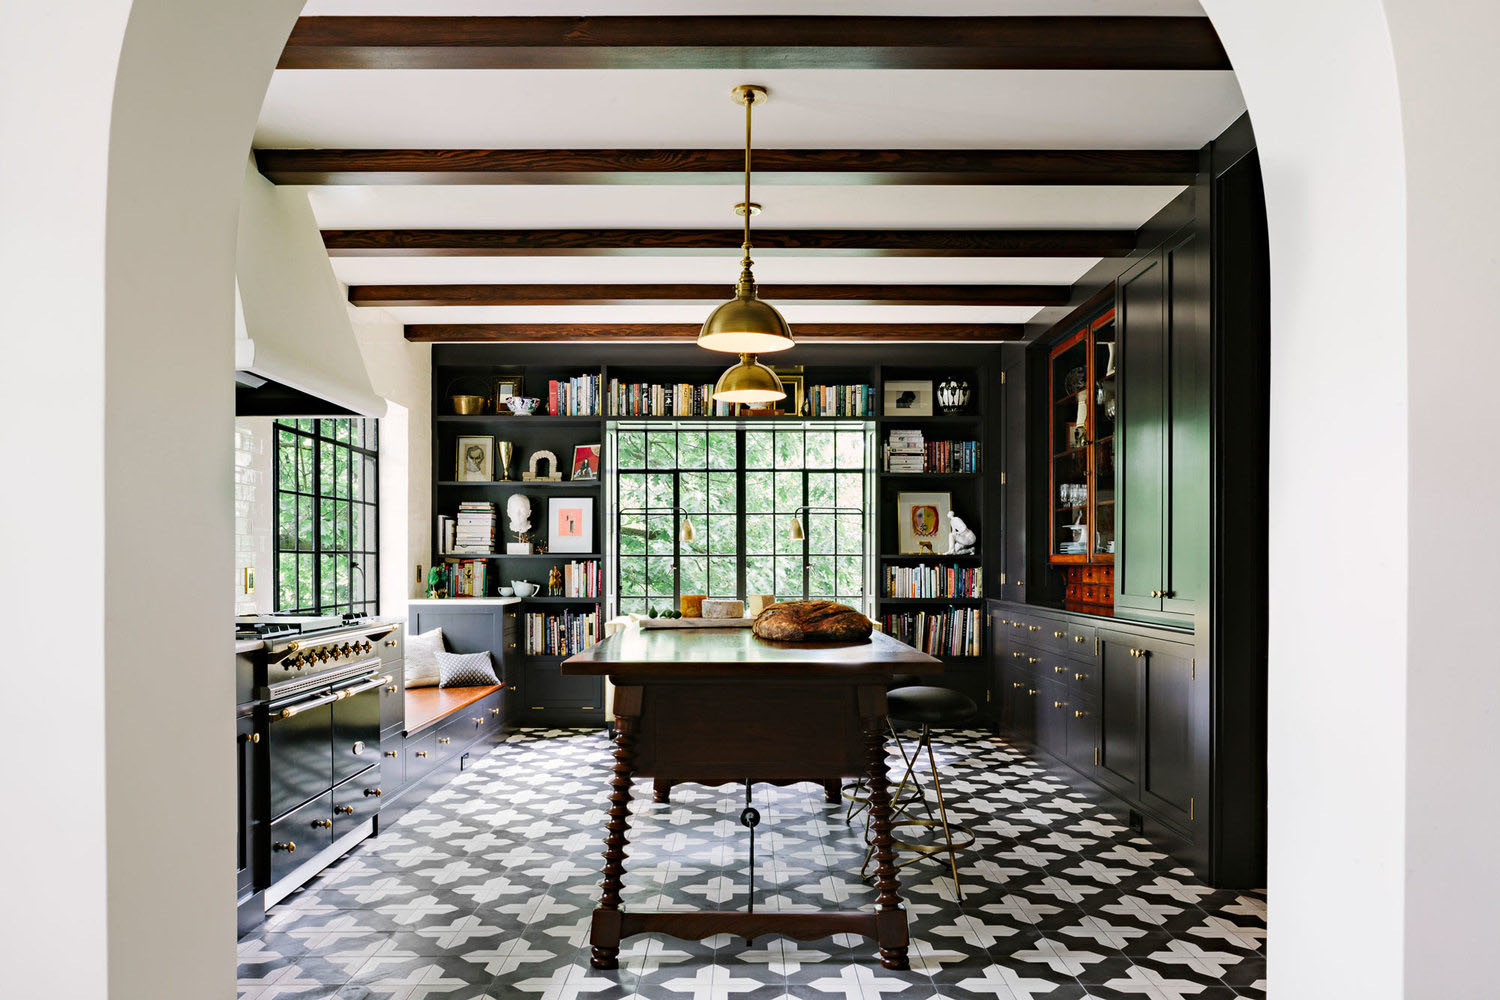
(749, 108)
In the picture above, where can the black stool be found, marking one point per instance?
(915, 706)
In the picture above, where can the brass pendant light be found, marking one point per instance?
(745, 325)
(748, 382)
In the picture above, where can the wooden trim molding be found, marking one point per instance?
(715, 166)
(519, 333)
(645, 242)
(605, 295)
(755, 42)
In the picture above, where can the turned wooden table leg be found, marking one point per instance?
(604, 933)
(890, 914)
(833, 791)
(661, 791)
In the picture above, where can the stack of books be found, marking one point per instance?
(646, 399)
(840, 400)
(905, 451)
(574, 397)
(952, 456)
(561, 635)
(581, 579)
(933, 581)
(466, 577)
(958, 632)
(474, 528)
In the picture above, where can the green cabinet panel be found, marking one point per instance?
(1142, 335)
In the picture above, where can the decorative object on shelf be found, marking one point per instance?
(555, 582)
(1075, 380)
(793, 384)
(961, 538)
(465, 405)
(585, 462)
(953, 395)
(504, 451)
(505, 387)
(756, 603)
(552, 475)
(691, 605)
(922, 522)
(518, 513)
(812, 621)
(523, 406)
(718, 607)
(1105, 393)
(908, 399)
(435, 588)
(474, 459)
(524, 588)
(570, 524)
(507, 591)
(745, 325)
(1077, 436)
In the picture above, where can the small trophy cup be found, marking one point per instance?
(504, 449)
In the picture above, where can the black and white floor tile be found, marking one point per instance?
(484, 893)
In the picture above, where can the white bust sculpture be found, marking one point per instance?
(960, 539)
(518, 510)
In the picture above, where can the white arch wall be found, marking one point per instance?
(104, 839)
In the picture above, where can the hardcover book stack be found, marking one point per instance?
(581, 579)
(574, 397)
(905, 451)
(474, 528)
(958, 632)
(952, 456)
(561, 634)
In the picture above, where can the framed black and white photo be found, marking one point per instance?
(570, 524)
(474, 459)
(908, 399)
(922, 523)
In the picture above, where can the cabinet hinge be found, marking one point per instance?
(1002, 579)
(1096, 645)
(1002, 479)
(1096, 756)
(1192, 806)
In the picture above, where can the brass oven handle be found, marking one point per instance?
(300, 707)
(369, 685)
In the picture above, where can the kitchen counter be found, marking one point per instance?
(247, 646)
(1096, 612)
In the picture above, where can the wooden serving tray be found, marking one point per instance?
(696, 622)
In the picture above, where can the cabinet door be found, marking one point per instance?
(1168, 756)
(1121, 680)
(1187, 469)
(1141, 377)
(245, 828)
(1014, 491)
(1082, 722)
(1052, 712)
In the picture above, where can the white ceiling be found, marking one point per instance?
(872, 109)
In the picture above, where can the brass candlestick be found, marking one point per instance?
(504, 449)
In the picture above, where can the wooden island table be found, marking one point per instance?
(720, 705)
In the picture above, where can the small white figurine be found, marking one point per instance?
(518, 509)
(960, 539)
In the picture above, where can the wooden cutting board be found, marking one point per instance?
(695, 622)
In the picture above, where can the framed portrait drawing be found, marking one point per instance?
(922, 523)
(585, 461)
(570, 524)
(908, 399)
(474, 459)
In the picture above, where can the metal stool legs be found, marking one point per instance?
(955, 836)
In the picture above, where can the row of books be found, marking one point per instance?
(933, 581)
(574, 397)
(466, 578)
(471, 530)
(908, 451)
(561, 634)
(840, 401)
(957, 632)
(648, 399)
(581, 579)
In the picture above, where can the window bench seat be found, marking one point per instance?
(428, 706)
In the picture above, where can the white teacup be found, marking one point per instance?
(507, 592)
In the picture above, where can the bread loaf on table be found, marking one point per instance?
(811, 621)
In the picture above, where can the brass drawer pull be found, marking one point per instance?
(249, 737)
(289, 847)
(1059, 670)
(1080, 677)
(391, 643)
(1080, 714)
(1018, 654)
(324, 824)
(1059, 704)
(346, 810)
(1031, 691)
(374, 791)
(1017, 684)
(1033, 628)
(1058, 635)
(445, 739)
(1031, 659)
(1078, 639)
(390, 689)
(421, 753)
(392, 753)
(494, 711)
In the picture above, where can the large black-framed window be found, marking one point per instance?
(327, 476)
(740, 486)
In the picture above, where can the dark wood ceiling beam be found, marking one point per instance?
(610, 295)
(755, 42)
(719, 166)
(780, 242)
(531, 333)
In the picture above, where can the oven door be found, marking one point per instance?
(300, 752)
(356, 722)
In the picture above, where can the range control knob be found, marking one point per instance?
(346, 649)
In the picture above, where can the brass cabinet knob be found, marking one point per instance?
(1017, 684)
(1017, 624)
(358, 747)
(1033, 628)
(1080, 714)
(1059, 704)
(1080, 677)
(1078, 638)
(392, 753)
(1058, 635)
(288, 847)
(1031, 659)
(510, 645)
(445, 739)
(421, 753)
(1059, 670)
(323, 824)
(494, 711)
(345, 810)
(390, 642)
(478, 720)
(1031, 691)
(1005, 621)
(249, 737)
(1017, 654)
(390, 689)
(374, 791)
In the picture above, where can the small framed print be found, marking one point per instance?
(908, 399)
(795, 394)
(506, 386)
(585, 461)
(570, 524)
(474, 459)
(922, 523)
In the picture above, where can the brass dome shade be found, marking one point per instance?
(745, 324)
(748, 382)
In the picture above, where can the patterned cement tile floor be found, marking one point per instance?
(485, 890)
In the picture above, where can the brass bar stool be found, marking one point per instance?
(855, 793)
(921, 706)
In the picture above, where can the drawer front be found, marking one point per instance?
(392, 648)
(300, 834)
(1052, 711)
(393, 698)
(470, 724)
(1025, 657)
(392, 762)
(1083, 677)
(546, 687)
(421, 755)
(357, 800)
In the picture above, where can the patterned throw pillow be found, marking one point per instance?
(462, 670)
(421, 658)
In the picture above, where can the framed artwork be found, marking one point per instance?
(506, 386)
(908, 399)
(570, 524)
(474, 459)
(922, 523)
(795, 388)
(585, 461)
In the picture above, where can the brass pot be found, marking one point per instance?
(468, 405)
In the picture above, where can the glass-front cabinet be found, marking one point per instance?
(1081, 445)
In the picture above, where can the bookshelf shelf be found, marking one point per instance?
(517, 484)
(929, 475)
(510, 420)
(544, 599)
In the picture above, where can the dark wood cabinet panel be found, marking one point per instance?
(1052, 713)
(1014, 489)
(1120, 707)
(1081, 720)
(544, 687)
(1187, 468)
(1170, 749)
(1142, 338)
